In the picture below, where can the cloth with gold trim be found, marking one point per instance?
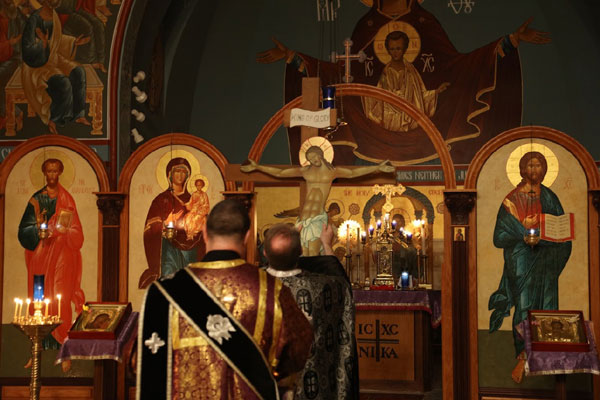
(224, 330)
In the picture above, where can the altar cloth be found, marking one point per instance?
(98, 349)
(401, 300)
(560, 362)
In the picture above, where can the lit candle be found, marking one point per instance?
(371, 230)
(170, 224)
(28, 302)
(404, 280)
(422, 237)
(16, 308)
(20, 308)
(347, 238)
(394, 223)
(43, 225)
(47, 301)
(358, 239)
(379, 225)
(58, 296)
(386, 219)
(363, 237)
(532, 231)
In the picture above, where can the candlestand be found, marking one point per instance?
(36, 329)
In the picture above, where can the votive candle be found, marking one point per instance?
(28, 302)
(47, 301)
(16, 308)
(58, 296)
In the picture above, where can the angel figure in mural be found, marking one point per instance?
(58, 256)
(53, 83)
(167, 256)
(470, 112)
(318, 172)
(530, 277)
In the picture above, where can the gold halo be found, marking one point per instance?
(192, 185)
(319, 142)
(512, 164)
(414, 45)
(161, 166)
(38, 180)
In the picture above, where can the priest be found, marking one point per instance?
(220, 328)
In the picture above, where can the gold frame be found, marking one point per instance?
(91, 320)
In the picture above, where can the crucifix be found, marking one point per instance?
(347, 57)
(318, 173)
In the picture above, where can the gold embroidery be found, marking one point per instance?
(181, 339)
(262, 306)
(276, 323)
(218, 264)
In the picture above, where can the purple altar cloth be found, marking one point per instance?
(401, 300)
(560, 362)
(98, 349)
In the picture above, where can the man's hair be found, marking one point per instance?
(228, 218)
(199, 180)
(61, 167)
(527, 157)
(319, 151)
(284, 256)
(334, 206)
(396, 35)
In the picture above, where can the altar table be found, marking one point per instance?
(393, 334)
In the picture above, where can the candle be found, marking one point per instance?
(532, 231)
(16, 308)
(371, 230)
(47, 301)
(379, 225)
(358, 239)
(423, 238)
(58, 296)
(394, 223)
(28, 302)
(404, 280)
(170, 224)
(363, 237)
(43, 225)
(347, 238)
(20, 308)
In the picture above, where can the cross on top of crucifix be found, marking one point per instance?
(388, 191)
(347, 57)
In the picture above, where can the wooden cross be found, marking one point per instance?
(310, 103)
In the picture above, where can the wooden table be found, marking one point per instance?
(15, 94)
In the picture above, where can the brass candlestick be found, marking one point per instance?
(36, 330)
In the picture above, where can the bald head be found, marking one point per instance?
(282, 247)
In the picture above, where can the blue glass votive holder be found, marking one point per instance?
(404, 280)
(328, 97)
(38, 287)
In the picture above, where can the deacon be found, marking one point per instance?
(324, 294)
(220, 328)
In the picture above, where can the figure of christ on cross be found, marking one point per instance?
(319, 174)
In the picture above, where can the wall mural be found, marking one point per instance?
(521, 187)
(407, 51)
(51, 186)
(53, 67)
(173, 186)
